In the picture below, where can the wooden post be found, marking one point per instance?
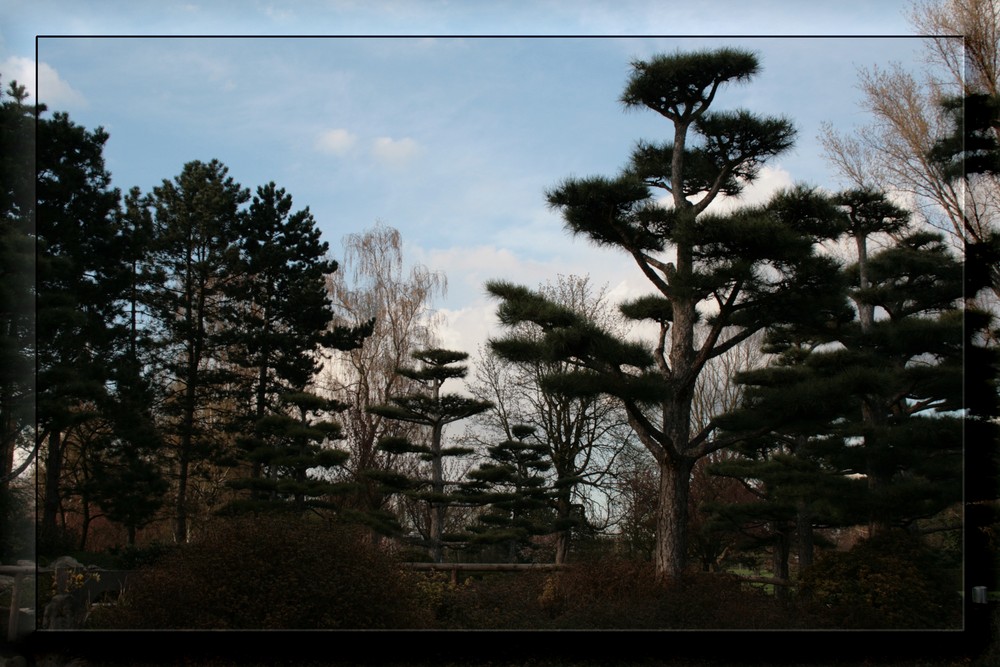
(13, 622)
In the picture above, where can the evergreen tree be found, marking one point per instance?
(514, 487)
(127, 471)
(197, 222)
(859, 415)
(278, 321)
(17, 319)
(432, 409)
(745, 270)
(972, 153)
(17, 273)
(79, 282)
(293, 454)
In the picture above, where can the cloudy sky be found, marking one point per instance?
(445, 119)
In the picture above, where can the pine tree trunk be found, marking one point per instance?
(671, 519)
(804, 534)
(53, 471)
(779, 559)
(437, 486)
(180, 506)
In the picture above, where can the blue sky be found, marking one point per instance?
(444, 131)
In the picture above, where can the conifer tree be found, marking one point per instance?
(17, 275)
(279, 321)
(17, 320)
(79, 283)
(128, 479)
(513, 486)
(434, 410)
(197, 218)
(293, 454)
(732, 274)
(860, 413)
(972, 153)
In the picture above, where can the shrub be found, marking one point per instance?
(890, 581)
(495, 601)
(605, 592)
(616, 593)
(271, 572)
(132, 557)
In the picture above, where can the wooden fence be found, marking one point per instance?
(455, 568)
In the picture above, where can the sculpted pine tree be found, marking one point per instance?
(860, 411)
(734, 273)
(434, 410)
(518, 498)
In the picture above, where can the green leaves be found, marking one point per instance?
(681, 85)
(739, 142)
(614, 212)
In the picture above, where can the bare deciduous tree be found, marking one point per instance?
(584, 436)
(891, 153)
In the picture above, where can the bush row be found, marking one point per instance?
(285, 573)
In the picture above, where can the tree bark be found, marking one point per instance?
(804, 534)
(53, 471)
(671, 519)
(437, 485)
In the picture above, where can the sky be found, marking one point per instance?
(447, 120)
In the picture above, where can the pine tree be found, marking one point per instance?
(278, 322)
(197, 219)
(293, 454)
(127, 465)
(971, 153)
(513, 486)
(79, 283)
(731, 275)
(17, 274)
(860, 414)
(433, 409)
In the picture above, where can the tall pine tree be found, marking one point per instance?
(79, 282)
(197, 222)
(278, 323)
(730, 274)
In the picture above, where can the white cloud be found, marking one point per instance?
(769, 181)
(471, 319)
(56, 93)
(337, 142)
(395, 152)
